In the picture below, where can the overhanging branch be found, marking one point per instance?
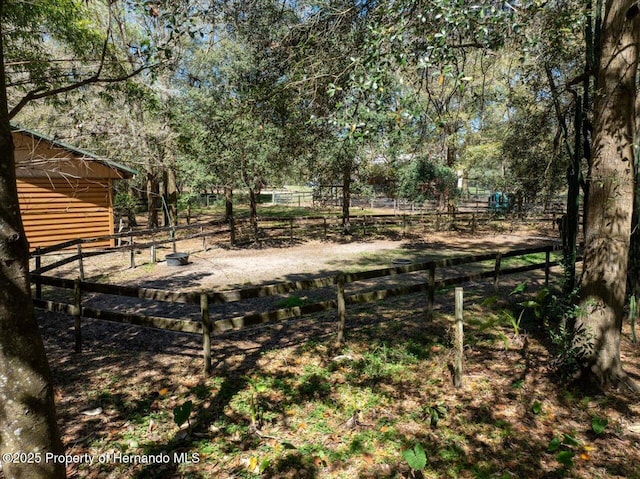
(94, 79)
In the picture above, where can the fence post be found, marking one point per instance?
(431, 291)
(547, 266)
(291, 229)
(204, 239)
(496, 274)
(77, 313)
(458, 339)
(38, 266)
(364, 225)
(473, 223)
(206, 332)
(341, 307)
(152, 251)
(325, 227)
(80, 263)
(132, 253)
(173, 237)
(404, 225)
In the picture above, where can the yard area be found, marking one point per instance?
(284, 401)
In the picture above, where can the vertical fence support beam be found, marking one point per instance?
(153, 254)
(80, 262)
(132, 254)
(547, 267)
(173, 237)
(291, 229)
(206, 332)
(204, 239)
(324, 225)
(404, 226)
(473, 223)
(341, 308)
(496, 274)
(364, 225)
(77, 313)
(458, 339)
(431, 291)
(38, 266)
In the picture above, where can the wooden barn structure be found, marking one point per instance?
(65, 192)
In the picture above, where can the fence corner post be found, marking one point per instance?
(77, 313)
(341, 308)
(458, 339)
(206, 332)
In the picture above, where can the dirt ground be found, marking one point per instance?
(225, 268)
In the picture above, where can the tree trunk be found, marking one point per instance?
(228, 203)
(346, 198)
(253, 213)
(170, 194)
(610, 201)
(570, 230)
(228, 213)
(153, 197)
(27, 411)
(633, 272)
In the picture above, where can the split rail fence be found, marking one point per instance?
(205, 299)
(268, 229)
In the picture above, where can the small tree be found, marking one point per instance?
(421, 180)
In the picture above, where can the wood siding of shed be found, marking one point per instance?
(62, 209)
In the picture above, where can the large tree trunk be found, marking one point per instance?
(633, 272)
(27, 412)
(610, 201)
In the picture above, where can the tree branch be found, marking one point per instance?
(43, 93)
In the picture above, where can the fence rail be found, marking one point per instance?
(267, 229)
(207, 298)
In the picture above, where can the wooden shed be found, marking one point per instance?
(65, 192)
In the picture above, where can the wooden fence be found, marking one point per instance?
(268, 229)
(339, 302)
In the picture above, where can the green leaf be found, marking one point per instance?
(518, 289)
(529, 304)
(554, 445)
(536, 407)
(565, 458)
(416, 457)
(181, 413)
(598, 424)
(569, 440)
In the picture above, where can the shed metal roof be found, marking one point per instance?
(77, 151)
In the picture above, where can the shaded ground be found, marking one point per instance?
(283, 401)
(279, 404)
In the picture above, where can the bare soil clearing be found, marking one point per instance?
(233, 267)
